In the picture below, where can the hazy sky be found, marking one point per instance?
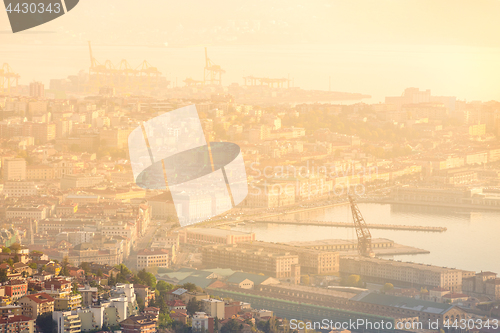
(463, 22)
(449, 46)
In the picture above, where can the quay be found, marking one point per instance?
(351, 225)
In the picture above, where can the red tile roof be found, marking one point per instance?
(40, 298)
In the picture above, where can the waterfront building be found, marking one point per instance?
(283, 266)
(405, 274)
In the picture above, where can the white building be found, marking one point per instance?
(201, 322)
(34, 212)
(80, 237)
(123, 298)
(153, 258)
(213, 307)
(20, 189)
(67, 321)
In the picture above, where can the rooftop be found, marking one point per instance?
(40, 298)
(402, 302)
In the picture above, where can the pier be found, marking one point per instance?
(351, 225)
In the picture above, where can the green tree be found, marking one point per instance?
(64, 271)
(111, 281)
(148, 278)
(193, 306)
(232, 326)
(74, 288)
(46, 323)
(15, 247)
(388, 287)
(124, 274)
(6, 250)
(353, 280)
(164, 286)
(3, 275)
(141, 303)
(85, 266)
(189, 286)
(164, 320)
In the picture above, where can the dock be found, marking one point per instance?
(351, 225)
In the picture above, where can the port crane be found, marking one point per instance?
(362, 231)
(122, 77)
(212, 74)
(8, 79)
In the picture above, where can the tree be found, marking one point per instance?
(111, 281)
(164, 286)
(189, 286)
(140, 303)
(232, 326)
(85, 266)
(164, 320)
(388, 287)
(193, 306)
(216, 324)
(147, 278)
(75, 288)
(3, 275)
(122, 277)
(46, 323)
(64, 271)
(15, 247)
(6, 250)
(353, 280)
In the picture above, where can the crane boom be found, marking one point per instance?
(362, 231)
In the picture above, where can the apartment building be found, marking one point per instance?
(205, 236)
(35, 305)
(40, 172)
(153, 258)
(139, 324)
(271, 195)
(33, 212)
(89, 295)
(213, 307)
(402, 273)
(79, 181)
(311, 261)
(20, 189)
(14, 169)
(283, 265)
(67, 322)
(201, 322)
(16, 289)
(162, 206)
(118, 228)
(116, 138)
(17, 323)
